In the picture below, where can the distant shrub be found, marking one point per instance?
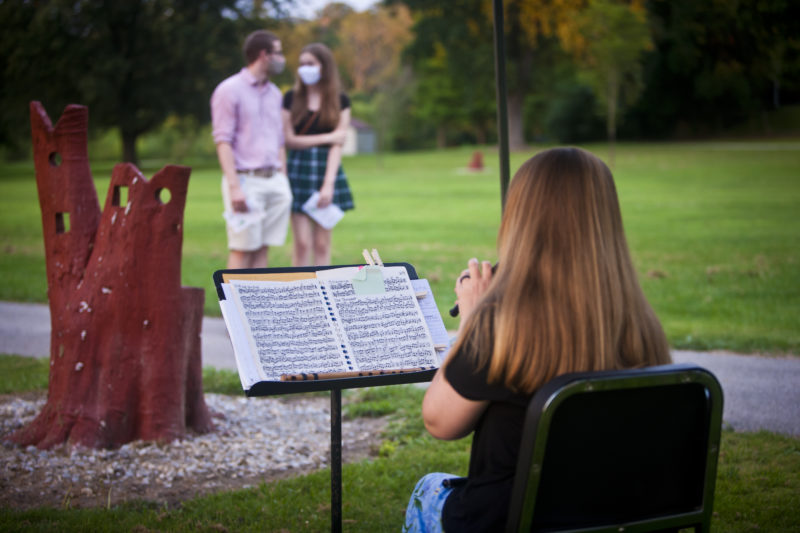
(572, 117)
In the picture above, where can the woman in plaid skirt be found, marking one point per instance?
(316, 115)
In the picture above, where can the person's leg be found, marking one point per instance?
(259, 258)
(302, 236)
(238, 259)
(424, 511)
(248, 259)
(322, 245)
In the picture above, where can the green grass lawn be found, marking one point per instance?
(713, 227)
(757, 490)
(758, 478)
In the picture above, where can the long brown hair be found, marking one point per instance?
(329, 85)
(565, 297)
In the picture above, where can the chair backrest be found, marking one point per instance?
(628, 450)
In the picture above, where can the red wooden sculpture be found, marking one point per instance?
(125, 359)
(476, 163)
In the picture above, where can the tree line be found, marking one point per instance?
(421, 72)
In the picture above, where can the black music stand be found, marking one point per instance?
(270, 388)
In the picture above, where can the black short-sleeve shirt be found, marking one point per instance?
(314, 128)
(481, 504)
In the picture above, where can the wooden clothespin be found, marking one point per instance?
(367, 258)
(376, 257)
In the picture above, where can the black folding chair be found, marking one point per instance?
(629, 450)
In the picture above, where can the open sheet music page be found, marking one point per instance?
(348, 319)
(433, 319)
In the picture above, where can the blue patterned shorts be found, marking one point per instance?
(424, 511)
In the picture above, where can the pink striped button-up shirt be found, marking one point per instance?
(247, 114)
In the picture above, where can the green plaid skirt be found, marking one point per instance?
(306, 171)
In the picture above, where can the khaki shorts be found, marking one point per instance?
(267, 222)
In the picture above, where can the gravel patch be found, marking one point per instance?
(256, 440)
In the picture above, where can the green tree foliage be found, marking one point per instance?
(712, 64)
(439, 97)
(133, 63)
(716, 63)
(536, 33)
(420, 71)
(452, 59)
(776, 31)
(616, 35)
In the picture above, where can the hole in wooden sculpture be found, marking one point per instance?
(163, 196)
(55, 159)
(62, 222)
(120, 197)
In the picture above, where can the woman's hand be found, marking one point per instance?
(472, 285)
(325, 195)
(339, 135)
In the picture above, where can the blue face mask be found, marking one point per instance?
(310, 74)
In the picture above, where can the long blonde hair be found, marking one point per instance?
(329, 85)
(565, 296)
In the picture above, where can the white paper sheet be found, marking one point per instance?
(327, 217)
(245, 360)
(431, 313)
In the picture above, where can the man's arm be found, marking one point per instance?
(223, 121)
(228, 165)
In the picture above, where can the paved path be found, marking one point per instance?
(760, 392)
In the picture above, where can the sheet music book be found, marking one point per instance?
(350, 319)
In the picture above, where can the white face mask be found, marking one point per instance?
(310, 74)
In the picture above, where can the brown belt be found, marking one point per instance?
(266, 172)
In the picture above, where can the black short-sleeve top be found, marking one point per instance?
(481, 504)
(314, 128)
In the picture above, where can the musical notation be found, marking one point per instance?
(323, 326)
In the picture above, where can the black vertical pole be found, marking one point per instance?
(336, 460)
(502, 105)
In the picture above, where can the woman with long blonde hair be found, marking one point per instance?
(564, 298)
(316, 114)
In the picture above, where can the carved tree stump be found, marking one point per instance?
(125, 359)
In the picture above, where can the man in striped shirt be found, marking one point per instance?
(246, 120)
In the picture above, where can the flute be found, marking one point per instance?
(314, 376)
